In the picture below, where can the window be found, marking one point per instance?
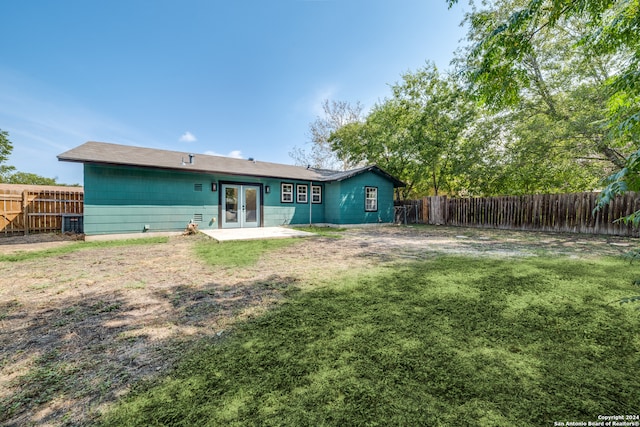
(370, 199)
(302, 193)
(286, 193)
(316, 194)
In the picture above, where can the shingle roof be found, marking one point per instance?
(115, 154)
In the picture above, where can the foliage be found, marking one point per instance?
(504, 55)
(5, 151)
(450, 341)
(337, 114)
(9, 175)
(505, 62)
(538, 128)
(29, 178)
(548, 90)
(602, 51)
(5, 146)
(413, 135)
(517, 152)
(559, 90)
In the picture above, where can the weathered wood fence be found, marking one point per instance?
(570, 213)
(28, 209)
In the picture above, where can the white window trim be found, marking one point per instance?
(302, 196)
(283, 192)
(368, 199)
(317, 200)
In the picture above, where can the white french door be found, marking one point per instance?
(240, 206)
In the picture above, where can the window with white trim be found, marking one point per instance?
(302, 193)
(370, 199)
(286, 193)
(316, 194)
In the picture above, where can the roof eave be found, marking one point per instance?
(184, 169)
(377, 170)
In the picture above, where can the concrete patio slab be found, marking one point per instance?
(228, 234)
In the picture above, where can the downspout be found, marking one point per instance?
(310, 197)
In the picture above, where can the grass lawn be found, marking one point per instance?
(77, 246)
(238, 253)
(447, 341)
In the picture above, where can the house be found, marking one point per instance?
(133, 190)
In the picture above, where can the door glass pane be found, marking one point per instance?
(231, 204)
(251, 204)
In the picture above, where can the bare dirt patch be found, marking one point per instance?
(78, 330)
(36, 242)
(425, 241)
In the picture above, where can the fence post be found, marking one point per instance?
(544, 212)
(25, 210)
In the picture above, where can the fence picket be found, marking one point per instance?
(572, 212)
(37, 209)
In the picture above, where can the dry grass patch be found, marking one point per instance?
(80, 327)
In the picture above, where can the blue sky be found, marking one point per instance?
(240, 78)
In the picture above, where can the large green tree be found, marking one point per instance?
(525, 150)
(548, 84)
(505, 64)
(414, 134)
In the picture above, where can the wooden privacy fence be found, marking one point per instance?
(409, 211)
(572, 213)
(28, 209)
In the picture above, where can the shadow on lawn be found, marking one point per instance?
(452, 341)
(62, 364)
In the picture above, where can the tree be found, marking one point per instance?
(523, 151)
(5, 151)
(503, 50)
(439, 114)
(29, 178)
(414, 135)
(336, 115)
(380, 140)
(549, 86)
(9, 175)
(613, 32)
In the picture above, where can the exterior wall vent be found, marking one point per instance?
(197, 217)
(197, 187)
(192, 160)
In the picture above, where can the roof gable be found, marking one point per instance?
(115, 154)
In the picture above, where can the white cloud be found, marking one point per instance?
(235, 154)
(188, 137)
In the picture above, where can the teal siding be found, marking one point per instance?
(332, 196)
(121, 199)
(277, 213)
(99, 219)
(346, 200)
(126, 199)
